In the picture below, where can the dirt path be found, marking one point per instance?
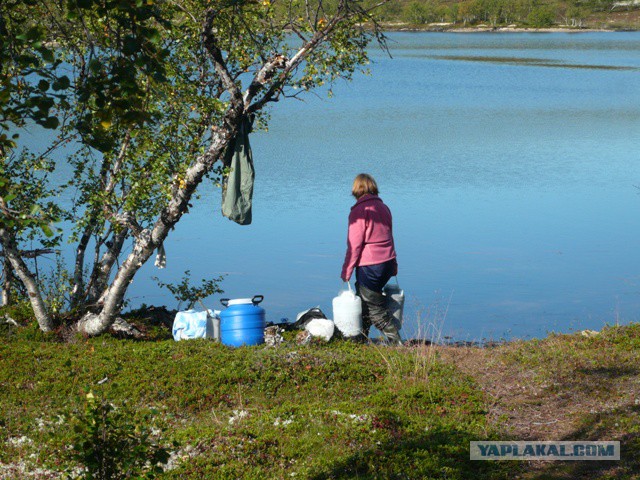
(569, 402)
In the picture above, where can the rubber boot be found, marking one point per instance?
(366, 318)
(392, 334)
(374, 311)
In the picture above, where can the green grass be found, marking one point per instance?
(336, 410)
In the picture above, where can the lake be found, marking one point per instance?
(510, 163)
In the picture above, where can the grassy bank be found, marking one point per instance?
(336, 410)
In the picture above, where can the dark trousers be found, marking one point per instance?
(370, 280)
(375, 277)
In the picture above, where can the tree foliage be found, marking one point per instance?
(29, 86)
(542, 16)
(522, 13)
(112, 444)
(186, 292)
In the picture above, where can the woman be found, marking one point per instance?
(370, 251)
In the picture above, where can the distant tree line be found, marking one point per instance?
(532, 13)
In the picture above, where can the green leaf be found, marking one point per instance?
(43, 103)
(51, 123)
(131, 45)
(153, 35)
(46, 229)
(47, 55)
(33, 34)
(94, 65)
(61, 83)
(43, 85)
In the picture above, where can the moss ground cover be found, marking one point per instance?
(321, 411)
(336, 410)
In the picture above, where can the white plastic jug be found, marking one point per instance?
(395, 302)
(347, 313)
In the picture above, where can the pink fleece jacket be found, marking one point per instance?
(370, 238)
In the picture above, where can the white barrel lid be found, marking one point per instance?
(240, 301)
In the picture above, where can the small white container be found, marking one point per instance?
(347, 313)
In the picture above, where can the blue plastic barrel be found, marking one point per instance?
(242, 322)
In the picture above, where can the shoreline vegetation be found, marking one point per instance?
(511, 15)
(333, 410)
(453, 28)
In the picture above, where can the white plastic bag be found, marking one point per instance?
(321, 327)
(192, 324)
(347, 312)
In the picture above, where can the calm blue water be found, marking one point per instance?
(509, 161)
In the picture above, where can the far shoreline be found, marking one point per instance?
(443, 28)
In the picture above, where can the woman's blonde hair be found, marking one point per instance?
(363, 184)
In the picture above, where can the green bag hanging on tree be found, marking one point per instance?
(237, 186)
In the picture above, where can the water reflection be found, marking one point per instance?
(537, 62)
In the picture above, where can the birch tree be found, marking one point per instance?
(155, 92)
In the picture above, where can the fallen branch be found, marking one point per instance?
(10, 321)
(545, 423)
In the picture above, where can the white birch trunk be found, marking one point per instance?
(148, 240)
(22, 271)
